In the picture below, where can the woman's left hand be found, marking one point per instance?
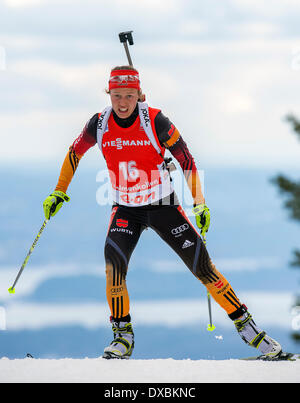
(202, 215)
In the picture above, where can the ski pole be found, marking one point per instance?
(11, 290)
(210, 326)
(124, 37)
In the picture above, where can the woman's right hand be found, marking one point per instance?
(53, 203)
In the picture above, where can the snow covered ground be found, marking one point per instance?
(147, 371)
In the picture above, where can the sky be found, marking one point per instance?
(226, 74)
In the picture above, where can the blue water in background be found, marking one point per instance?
(247, 220)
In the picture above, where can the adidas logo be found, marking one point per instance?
(187, 244)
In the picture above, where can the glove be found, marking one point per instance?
(53, 203)
(202, 216)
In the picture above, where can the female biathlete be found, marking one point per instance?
(133, 138)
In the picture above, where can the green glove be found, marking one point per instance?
(53, 203)
(202, 215)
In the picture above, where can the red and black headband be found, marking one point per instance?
(124, 79)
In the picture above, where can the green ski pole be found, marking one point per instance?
(11, 290)
(210, 327)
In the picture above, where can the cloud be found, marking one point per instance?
(253, 29)
(71, 77)
(39, 274)
(45, 135)
(192, 27)
(277, 9)
(23, 3)
(155, 5)
(226, 87)
(167, 266)
(247, 264)
(268, 309)
(2, 58)
(226, 265)
(136, 5)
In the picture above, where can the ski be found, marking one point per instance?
(281, 357)
(111, 356)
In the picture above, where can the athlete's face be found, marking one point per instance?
(124, 101)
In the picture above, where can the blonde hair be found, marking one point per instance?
(127, 67)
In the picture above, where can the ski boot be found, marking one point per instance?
(123, 343)
(255, 337)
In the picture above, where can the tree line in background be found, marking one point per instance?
(290, 189)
